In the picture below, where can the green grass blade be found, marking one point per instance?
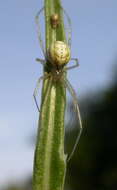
(50, 160)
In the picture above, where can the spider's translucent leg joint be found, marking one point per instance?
(42, 61)
(75, 101)
(73, 66)
(76, 60)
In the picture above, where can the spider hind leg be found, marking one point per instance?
(76, 106)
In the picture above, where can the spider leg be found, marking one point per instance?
(37, 87)
(74, 66)
(75, 101)
(38, 30)
(69, 29)
(42, 61)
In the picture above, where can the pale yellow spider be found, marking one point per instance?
(57, 56)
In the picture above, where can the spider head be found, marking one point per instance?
(59, 54)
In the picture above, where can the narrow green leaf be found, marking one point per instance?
(50, 160)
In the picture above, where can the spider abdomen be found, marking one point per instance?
(59, 53)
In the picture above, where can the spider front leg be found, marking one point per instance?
(37, 87)
(75, 101)
(69, 29)
(74, 66)
(37, 20)
(42, 61)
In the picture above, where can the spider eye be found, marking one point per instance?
(59, 53)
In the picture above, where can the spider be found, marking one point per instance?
(54, 19)
(58, 56)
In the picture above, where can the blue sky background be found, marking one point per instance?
(94, 42)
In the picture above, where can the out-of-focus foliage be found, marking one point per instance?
(94, 164)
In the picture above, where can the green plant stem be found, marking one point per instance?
(50, 160)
